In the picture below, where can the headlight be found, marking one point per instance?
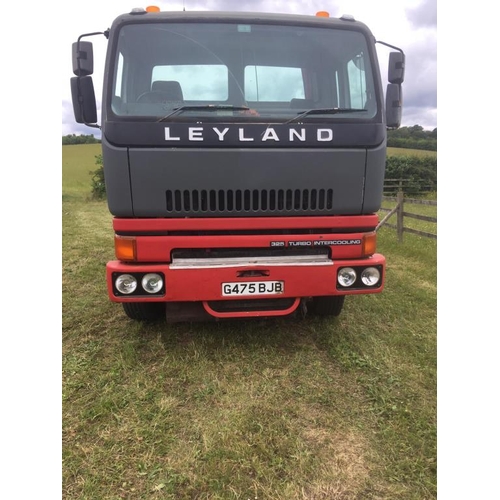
(152, 283)
(370, 276)
(126, 284)
(346, 276)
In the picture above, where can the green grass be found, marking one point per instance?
(268, 409)
(77, 161)
(409, 152)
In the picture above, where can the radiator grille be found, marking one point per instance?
(248, 200)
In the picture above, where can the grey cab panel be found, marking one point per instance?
(246, 182)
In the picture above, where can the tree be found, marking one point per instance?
(414, 137)
(79, 139)
(98, 184)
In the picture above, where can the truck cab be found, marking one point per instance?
(244, 158)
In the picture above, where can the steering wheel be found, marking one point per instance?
(152, 97)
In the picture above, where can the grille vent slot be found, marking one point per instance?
(249, 200)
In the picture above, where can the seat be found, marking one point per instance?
(163, 91)
(304, 104)
(171, 89)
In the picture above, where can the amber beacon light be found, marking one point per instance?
(322, 13)
(152, 8)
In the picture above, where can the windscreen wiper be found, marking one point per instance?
(321, 111)
(205, 107)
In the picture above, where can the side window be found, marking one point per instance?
(357, 81)
(119, 76)
(119, 90)
(273, 84)
(202, 82)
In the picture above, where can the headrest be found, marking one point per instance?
(172, 90)
(301, 103)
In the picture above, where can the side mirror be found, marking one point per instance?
(393, 105)
(83, 96)
(396, 71)
(83, 58)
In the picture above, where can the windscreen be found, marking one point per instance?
(241, 72)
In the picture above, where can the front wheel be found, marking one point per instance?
(144, 311)
(327, 306)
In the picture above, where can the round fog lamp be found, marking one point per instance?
(152, 283)
(126, 283)
(370, 276)
(346, 276)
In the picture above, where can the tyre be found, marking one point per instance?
(144, 311)
(327, 306)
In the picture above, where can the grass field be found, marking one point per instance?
(410, 152)
(262, 409)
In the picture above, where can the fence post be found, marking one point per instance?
(399, 199)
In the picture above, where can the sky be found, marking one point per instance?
(408, 24)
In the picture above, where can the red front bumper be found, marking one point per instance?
(156, 241)
(206, 284)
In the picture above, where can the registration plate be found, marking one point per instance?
(253, 288)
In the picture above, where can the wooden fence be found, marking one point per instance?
(399, 211)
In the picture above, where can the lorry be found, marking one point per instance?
(244, 157)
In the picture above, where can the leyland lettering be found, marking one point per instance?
(248, 134)
(244, 159)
